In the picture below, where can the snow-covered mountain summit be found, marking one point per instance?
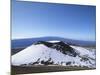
(54, 53)
(59, 46)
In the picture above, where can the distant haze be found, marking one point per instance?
(35, 19)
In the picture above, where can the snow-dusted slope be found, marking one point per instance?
(40, 52)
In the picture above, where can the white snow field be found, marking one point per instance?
(54, 41)
(34, 52)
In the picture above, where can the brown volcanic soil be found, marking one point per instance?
(41, 69)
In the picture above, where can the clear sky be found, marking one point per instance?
(33, 19)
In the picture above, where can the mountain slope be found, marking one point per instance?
(42, 54)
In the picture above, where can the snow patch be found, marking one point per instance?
(53, 41)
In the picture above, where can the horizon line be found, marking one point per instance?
(50, 37)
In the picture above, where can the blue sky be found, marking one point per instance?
(33, 19)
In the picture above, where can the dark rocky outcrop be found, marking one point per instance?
(68, 63)
(48, 62)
